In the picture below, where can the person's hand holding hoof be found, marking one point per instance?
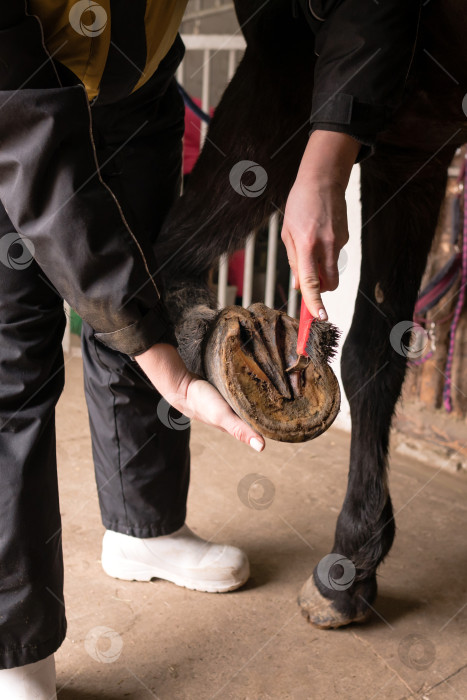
(192, 396)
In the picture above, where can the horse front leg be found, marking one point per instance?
(262, 118)
(397, 230)
(252, 150)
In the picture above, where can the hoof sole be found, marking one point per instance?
(320, 612)
(247, 357)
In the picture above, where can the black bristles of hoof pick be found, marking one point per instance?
(322, 341)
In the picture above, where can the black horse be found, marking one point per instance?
(264, 117)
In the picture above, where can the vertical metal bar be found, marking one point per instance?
(66, 342)
(231, 65)
(293, 298)
(222, 280)
(181, 72)
(248, 270)
(270, 286)
(205, 91)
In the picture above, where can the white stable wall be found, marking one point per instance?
(340, 303)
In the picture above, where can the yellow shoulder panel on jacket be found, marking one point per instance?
(162, 20)
(77, 33)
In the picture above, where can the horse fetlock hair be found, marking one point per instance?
(193, 321)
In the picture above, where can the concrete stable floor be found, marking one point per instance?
(155, 640)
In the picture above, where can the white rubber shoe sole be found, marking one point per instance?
(182, 558)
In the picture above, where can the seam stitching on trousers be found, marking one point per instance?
(119, 455)
(109, 370)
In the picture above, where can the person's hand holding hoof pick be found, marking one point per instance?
(315, 221)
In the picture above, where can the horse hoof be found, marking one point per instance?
(320, 611)
(246, 358)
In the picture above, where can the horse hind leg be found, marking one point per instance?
(399, 213)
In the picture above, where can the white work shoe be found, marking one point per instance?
(31, 682)
(182, 557)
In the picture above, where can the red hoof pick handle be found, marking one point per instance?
(304, 348)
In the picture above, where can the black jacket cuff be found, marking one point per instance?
(341, 108)
(154, 327)
(345, 114)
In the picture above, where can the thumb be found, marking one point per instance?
(210, 407)
(241, 431)
(310, 287)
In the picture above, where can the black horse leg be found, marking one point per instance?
(262, 118)
(399, 215)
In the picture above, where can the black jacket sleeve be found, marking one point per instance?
(364, 50)
(53, 193)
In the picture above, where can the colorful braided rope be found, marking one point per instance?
(447, 392)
